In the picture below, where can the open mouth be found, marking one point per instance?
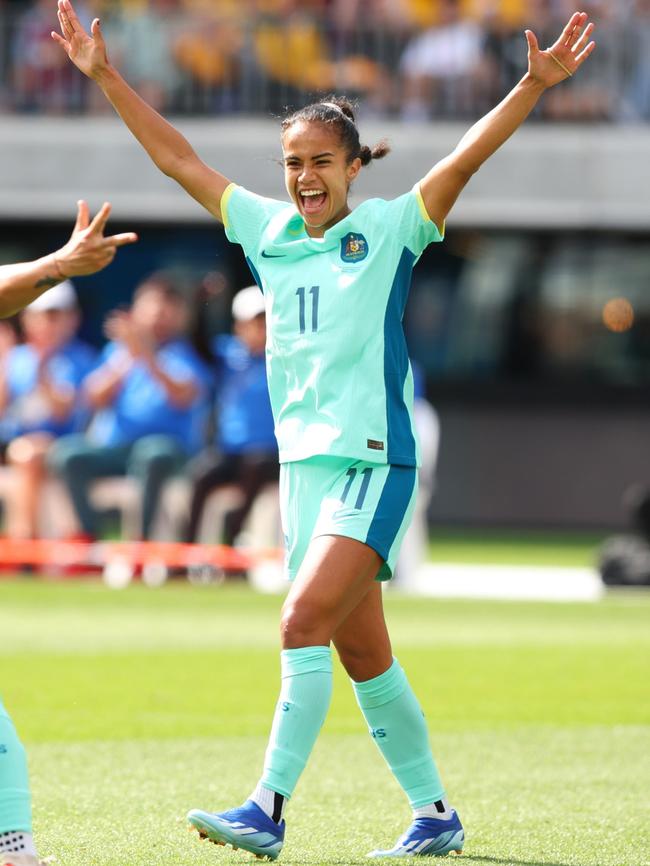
(312, 200)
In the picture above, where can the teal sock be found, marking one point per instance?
(304, 700)
(398, 727)
(15, 799)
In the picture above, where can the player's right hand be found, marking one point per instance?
(88, 251)
(88, 53)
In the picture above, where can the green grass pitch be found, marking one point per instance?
(136, 706)
(515, 547)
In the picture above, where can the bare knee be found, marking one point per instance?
(363, 661)
(301, 625)
(27, 454)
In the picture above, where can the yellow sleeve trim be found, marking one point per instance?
(223, 204)
(424, 211)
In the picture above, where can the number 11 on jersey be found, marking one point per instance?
(314, 308)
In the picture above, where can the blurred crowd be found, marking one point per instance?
(166, 434)
(152, 405)
(413, 59)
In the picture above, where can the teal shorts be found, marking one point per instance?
(371, 502)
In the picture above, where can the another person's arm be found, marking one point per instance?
(181, 393)
(444, 183)
(86, 252)
(168, 149)
(104, 383)
(59, 395)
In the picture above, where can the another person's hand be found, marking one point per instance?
(88, 250)
(120, 328)
(88, 53)
(562, 59)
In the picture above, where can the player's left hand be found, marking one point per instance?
(565, 56)
(88, 251)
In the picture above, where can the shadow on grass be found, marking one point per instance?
(503, 861)
(465, 858)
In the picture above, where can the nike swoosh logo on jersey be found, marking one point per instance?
(266, 255)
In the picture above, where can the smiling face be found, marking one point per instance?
(317, 174)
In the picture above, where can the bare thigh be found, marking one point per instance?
(335, 576)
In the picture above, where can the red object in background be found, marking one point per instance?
(74, 556)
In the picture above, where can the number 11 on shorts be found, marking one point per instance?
(363, 489)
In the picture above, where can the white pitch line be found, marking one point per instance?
(507, 582)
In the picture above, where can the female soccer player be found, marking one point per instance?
(335, 283)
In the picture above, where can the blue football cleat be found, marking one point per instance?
(246, 827)
(428, 837)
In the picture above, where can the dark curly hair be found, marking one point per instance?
(337, 111)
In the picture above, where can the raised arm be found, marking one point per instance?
(168, 149)
(86, 252)
(444, 183)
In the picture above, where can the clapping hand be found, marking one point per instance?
(121, 328)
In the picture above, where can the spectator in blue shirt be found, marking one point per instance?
(245, 452)
(150, 396)
(40, 398)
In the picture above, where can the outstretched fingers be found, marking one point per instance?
(531, 39)
(585, 53)
(62, 42)
(96, 33)
(64, 22)
(123, 239)
(580, 44)
(98, 225)
(83, 216)
(65, 29)
(568, 34)
(70, 16)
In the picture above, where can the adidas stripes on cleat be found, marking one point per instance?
(246, 827)
(428, 837)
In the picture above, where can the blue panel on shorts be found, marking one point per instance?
(391, 509)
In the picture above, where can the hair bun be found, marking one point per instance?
(348, 111)
(365, 155)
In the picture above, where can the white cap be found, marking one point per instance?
(247, 304)
(59, 297)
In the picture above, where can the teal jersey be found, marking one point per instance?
(339, 376)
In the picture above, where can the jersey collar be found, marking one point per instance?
(292, 237)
